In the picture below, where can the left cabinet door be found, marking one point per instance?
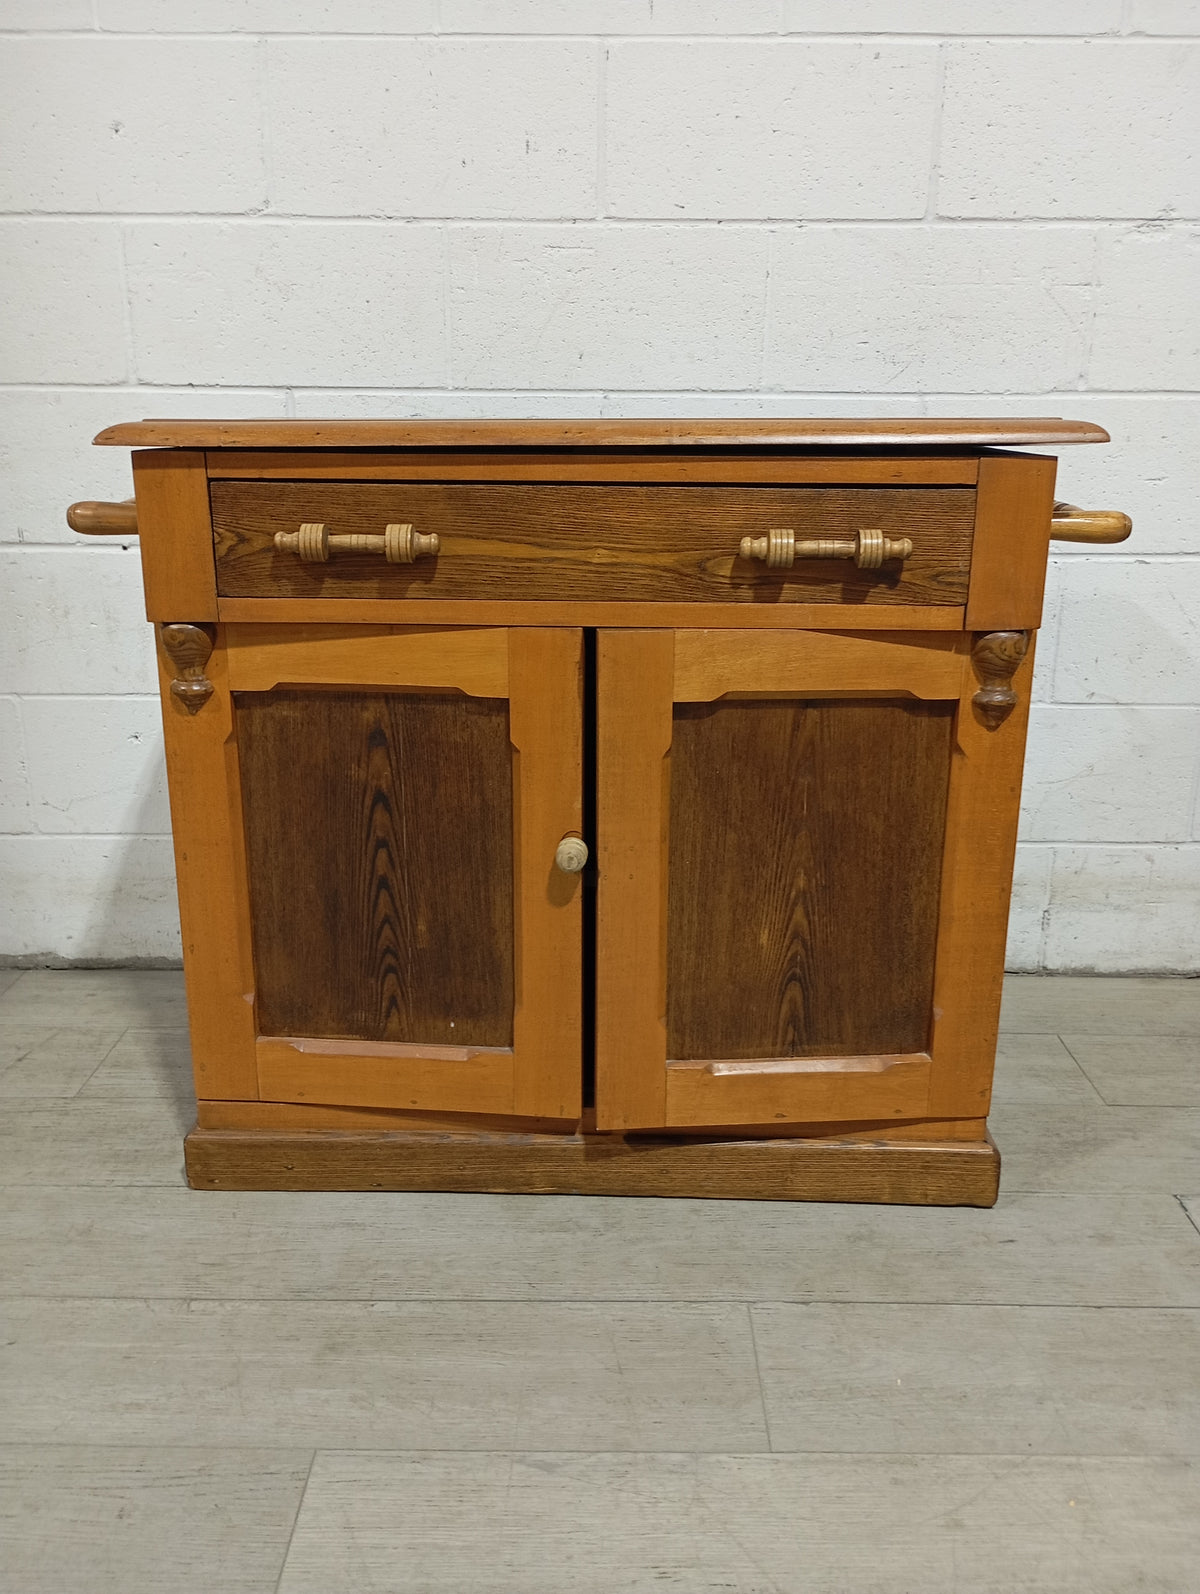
(366, 820)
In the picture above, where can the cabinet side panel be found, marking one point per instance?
(1012, 536)
(175, 533)
(379, 838)
(806, 841)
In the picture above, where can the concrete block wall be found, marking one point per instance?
(602, 207)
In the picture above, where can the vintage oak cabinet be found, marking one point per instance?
(596, 806)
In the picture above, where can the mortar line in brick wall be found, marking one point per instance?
(265, 130)
(126, 308)
(714, 37)
(935, 138)
(85, 835)
(1194, 810)
(1109, 846)
(764, 341)
(1108, 702)
(1092, 313)
(932, 405)
(1183, 557)
(601, 127)
(447, 326)
(259, 218)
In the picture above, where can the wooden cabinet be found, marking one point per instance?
(614, 807)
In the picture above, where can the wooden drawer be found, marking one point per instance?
(547, 541)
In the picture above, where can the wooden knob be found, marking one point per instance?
(311, 542)
(571, 854)
(98, 519)
(872, 549)
(404, 546)
(777, 549)
(1069, 523)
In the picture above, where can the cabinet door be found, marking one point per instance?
(805, 845)
(366, 824)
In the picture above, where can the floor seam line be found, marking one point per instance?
(287, 1549)
(762, 1393)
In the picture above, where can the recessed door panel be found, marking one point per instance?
(803, 875)
(380, 851)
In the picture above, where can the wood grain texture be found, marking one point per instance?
(797, 1091)
(754, 466)
(953, 1173)
(175, 536)
(805, 856)
(100, 518)
(1071, 524)
(523, 541)
(361, 1074)
(553, 612)
(1012, 536)
(635, 671)
(303, 1115)
(982, 811)
(472, 659)
(115, 1519)
(995, 656)
(992, 1517)
(189, 648)
(204, 780)
(292, 1115)
(711, 663)
(379, 836)
(546, 731)
(915, 431)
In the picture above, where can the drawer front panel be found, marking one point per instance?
(572, 542)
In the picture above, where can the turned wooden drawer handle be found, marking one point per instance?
(571, 854)
(95, 519)
(1072, 524)
(316, 544)
(780, 548)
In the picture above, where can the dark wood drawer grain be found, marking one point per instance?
(566, 541)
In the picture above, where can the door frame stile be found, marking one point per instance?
(204, 785)
(982, 814)
(545, 728)
(636, 672)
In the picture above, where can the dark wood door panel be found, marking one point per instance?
(804, 869)
(578, 542)
(379, 844)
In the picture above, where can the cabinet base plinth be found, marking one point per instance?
(917, 1173)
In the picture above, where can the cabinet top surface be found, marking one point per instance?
(769, 432)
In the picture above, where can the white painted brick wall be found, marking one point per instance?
(604, 207)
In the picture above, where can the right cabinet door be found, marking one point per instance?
(805, 845)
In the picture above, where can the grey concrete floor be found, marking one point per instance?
(386, 1394)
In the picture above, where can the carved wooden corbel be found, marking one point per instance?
(996, 656)
(189, 648)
